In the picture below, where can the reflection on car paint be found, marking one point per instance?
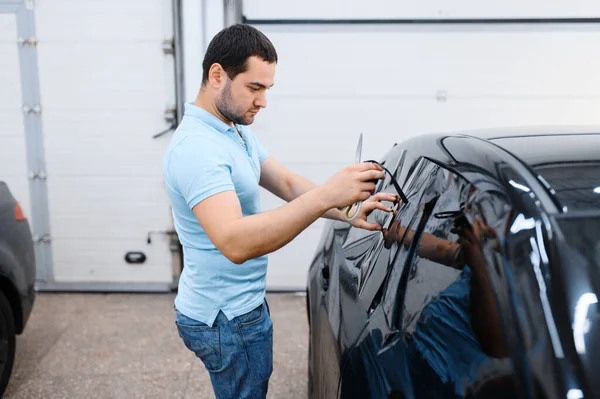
(456, 297)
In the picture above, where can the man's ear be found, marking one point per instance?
(216, 74)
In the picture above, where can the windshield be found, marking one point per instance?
(583, 234)
(576, 185)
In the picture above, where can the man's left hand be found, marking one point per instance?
(369, 206)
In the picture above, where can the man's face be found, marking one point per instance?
(240, 99)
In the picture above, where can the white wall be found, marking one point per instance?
(394, 81)
(202, 20)
(390, 9)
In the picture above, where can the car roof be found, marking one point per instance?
(564, 158)
(563, 162)
(537, 150)
(531, 130)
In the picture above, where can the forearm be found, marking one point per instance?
(300, 185)
(263, 233)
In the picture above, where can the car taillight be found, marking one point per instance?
(19, 215)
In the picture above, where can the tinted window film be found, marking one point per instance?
(450, 321)
(422, 191)
(374, 272)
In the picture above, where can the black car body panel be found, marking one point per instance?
(17, 260)
(483, 285)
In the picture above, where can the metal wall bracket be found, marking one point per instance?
(40, 176)
(172, 234)
(170, 115)
(36, 109)
(32, 41)
(168, 46)
(44, 238)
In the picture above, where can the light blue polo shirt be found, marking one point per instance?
(205, 157)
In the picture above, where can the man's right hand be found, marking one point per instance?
(351, 185)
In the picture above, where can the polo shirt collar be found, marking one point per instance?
(200, 113)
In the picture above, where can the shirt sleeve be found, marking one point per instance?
(200, 168)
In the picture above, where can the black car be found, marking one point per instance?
(484, 284)
(17, 279)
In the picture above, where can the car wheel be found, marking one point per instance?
(7, 342)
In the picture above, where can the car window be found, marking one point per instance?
(362, 248)
(436, 262)
(376, 258)
(449, 318)
(388, 268)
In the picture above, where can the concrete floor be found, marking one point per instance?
(126, 346)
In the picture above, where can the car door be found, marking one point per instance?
(363, 375)
(452, 335)
(366, 253)
(341, 271)
(420, 341)
(359, 252)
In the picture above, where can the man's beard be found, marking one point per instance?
(227, 108)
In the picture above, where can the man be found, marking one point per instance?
(213, 170)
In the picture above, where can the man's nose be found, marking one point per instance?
(261, 100)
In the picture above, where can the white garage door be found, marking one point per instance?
(104, 85)
(391, 81)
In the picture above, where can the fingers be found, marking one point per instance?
(363, 224)
(364, 166)
(368, 206)
(365, 195)
(367, 175)
(370, 187)
(386, 197)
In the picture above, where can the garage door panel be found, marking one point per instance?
(104, 214)
(394, 81)
(13, 163)
(9, 77)
(288, 267)
(126, 191)
(105, 162)
(114, 144)
(102, 76)
(107, 224)
(104, 84)
(318, 137)
(135, 125)
(107, 20)
(8, 29)
(391, 9)
(96, 261)
(512, 62)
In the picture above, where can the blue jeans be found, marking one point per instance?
(238, 354)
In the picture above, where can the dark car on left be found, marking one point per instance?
(17, 279)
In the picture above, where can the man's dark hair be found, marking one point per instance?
(232, 47)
